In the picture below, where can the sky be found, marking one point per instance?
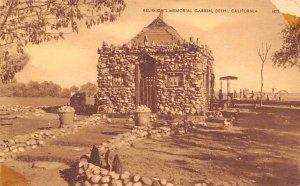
(233, 38)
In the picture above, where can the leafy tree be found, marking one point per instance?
(54, 90)
(10, 64)
(37, 21)
(65, 93)
(289, 53)
(33, 89)
(19, 89)
(89, 88)
(74, 88)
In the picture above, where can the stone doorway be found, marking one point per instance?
(146, 84)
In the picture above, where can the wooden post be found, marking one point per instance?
(137, 84)
(228, 88)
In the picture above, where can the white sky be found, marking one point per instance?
(233, 37)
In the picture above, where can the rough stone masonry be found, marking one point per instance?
(181, 71)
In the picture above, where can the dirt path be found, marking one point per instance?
(245, 156)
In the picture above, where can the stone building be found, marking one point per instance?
(156, 68)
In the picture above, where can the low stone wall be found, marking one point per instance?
(89, 174)
(21, 111)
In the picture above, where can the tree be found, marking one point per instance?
(10, 64)
(65, 93)
(19, 89)
(89, 88)
(54, 90)
(74, 88)
(33, 89)
(263, 55)
(289, 53)
(37, 21)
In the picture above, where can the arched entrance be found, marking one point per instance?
(146, 83)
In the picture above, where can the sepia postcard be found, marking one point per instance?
(150, 92)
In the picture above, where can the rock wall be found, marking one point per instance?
(191, 62)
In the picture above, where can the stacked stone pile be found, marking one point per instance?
(92, 175)
(89, 174)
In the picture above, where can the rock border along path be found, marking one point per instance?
(10, 148)
(88, 174)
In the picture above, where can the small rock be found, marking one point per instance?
(96, 178)
(87, 183)
(96, 171)
(115, 182)
(146, 181)
(126, 180)
(156, 183)
(89, 175)
(81, 163)
(115, 176)
(40, 142)
(137, 184)
(21, 149)
(105, 179)
(136, 178)
(104, 172)
(124, 176)
(80, 171)
(32, 142)
(129, 184)
(163, 182)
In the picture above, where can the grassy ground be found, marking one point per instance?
(21, 126)
(65, 150)
(246, 156)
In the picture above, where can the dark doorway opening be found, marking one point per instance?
(146, 84)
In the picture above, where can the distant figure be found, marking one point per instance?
(220, 98)
(268, 99)
(220, 95)
(279, 98)
(252, 94)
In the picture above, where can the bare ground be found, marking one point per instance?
(262, 150)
